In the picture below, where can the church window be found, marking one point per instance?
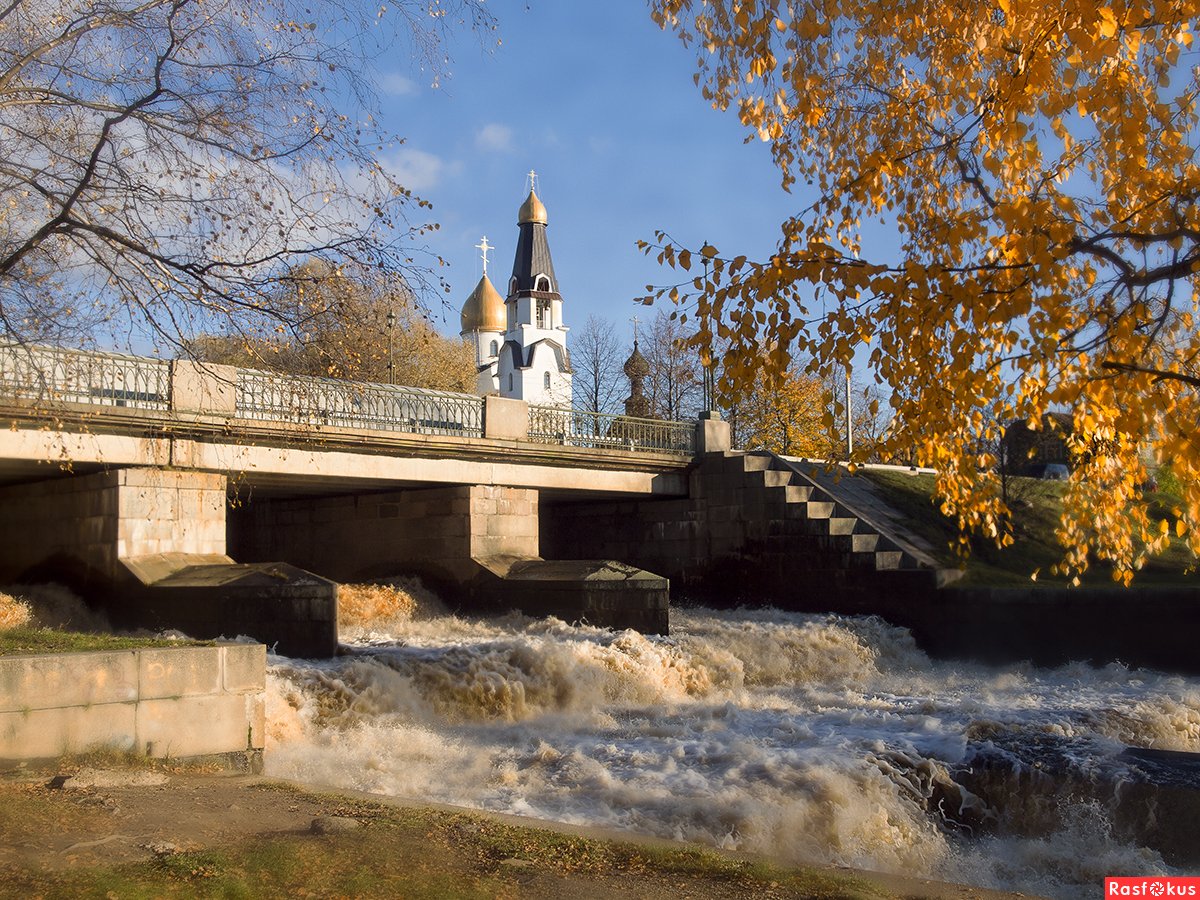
(510, 381)
(493, 349)
(546, 381)
(543, 314)
(542, 284)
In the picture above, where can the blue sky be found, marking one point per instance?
(601, 103)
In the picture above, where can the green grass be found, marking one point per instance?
(50, 640)
(1037, 506)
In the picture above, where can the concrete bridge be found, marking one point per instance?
(225, 501)
(140, 481)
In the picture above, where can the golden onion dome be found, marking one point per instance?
(484, 309)
(532, 210)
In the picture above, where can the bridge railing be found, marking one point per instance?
(576, 428)
(349, 404)
(57, 374)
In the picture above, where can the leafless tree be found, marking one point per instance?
(675, 383)
(599, 382)
(166, 162)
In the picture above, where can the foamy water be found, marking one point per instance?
(811, 738)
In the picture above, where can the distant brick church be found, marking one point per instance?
(520, 340)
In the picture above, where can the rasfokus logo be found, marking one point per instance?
(1151, 886)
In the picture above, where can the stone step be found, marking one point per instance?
(888, 560)
(753, 463)
(799, 493)
(819, 509)
(844, 525)
(769, 477)
(864, 543)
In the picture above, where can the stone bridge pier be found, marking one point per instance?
(148, 546)
(477, 545)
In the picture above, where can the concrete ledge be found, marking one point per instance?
(163, 702)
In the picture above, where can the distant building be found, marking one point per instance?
(483, 325)
(637, 368)
(1026, 448)
(521, 342)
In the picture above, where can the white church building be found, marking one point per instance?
(520, 340)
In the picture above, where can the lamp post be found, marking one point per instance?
(710, 380)
(849, 418)
(391, 331)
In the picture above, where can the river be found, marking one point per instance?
(816, 739)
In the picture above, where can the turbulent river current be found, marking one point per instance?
(816, 739)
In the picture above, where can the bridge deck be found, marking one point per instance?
(291, 458)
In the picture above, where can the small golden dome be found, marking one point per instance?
(484, 309)
(532, 210)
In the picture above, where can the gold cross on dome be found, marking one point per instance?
(533, 181)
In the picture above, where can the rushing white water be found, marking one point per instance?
(810, 738)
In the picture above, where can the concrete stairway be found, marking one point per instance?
(821, 522)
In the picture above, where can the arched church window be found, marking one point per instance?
(543, 314)
(494, 349)
(512, 285)
(510, 381)
(546, 381)
(542, 284)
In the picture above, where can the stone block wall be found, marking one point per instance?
(91, 521)
(169, 511)
(168, 702)
(434, 532)
(64, 518)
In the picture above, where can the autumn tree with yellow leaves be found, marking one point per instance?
(352, 323)
(1038, 163)
(782, 413)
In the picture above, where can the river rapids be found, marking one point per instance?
(809, 738)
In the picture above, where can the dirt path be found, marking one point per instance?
(123, 832)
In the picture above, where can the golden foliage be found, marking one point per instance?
(783, 413)
(1038, 165)
(342, 330)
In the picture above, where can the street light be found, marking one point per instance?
(391, 330)
(710, 379)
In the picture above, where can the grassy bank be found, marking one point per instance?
(52, 640)
(367, 849)
(1037, 509)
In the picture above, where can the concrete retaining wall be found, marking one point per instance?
(169, 702)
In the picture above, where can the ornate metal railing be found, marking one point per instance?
(56, 374)
(351, 404)
(575, 428)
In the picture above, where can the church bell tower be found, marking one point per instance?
(534, 365)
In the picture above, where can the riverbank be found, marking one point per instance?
(110, 831)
